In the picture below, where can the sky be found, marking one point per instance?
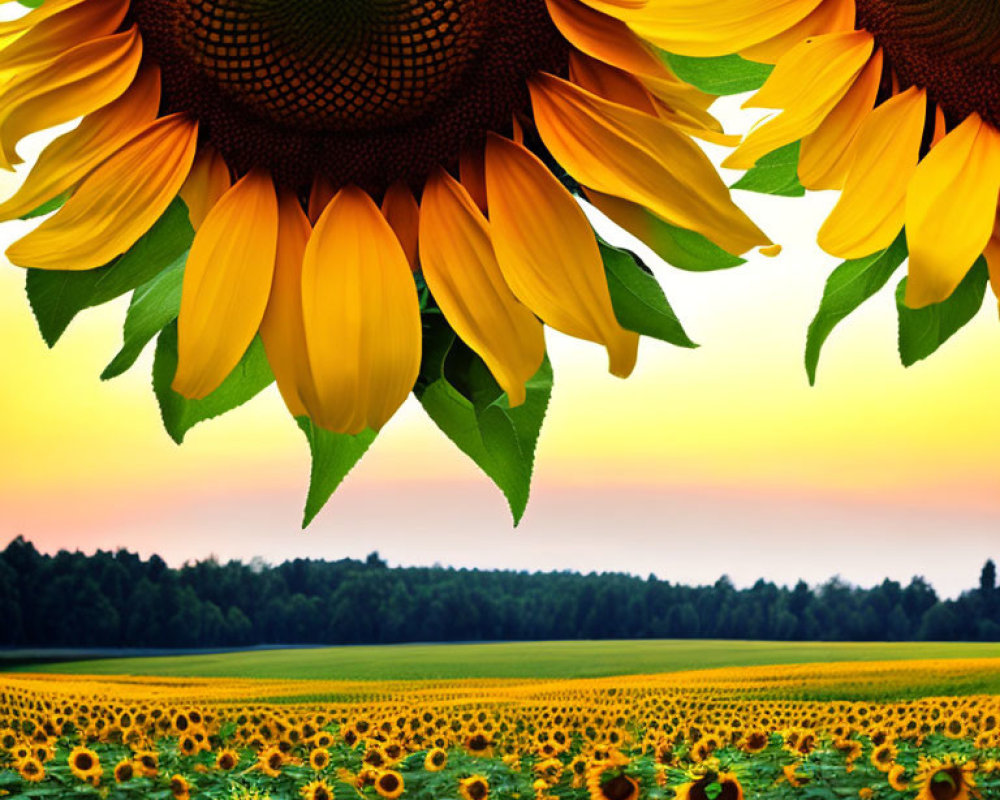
(720, 460)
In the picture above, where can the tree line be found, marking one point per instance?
(118, 599)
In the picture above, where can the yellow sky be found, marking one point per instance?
(725, 440)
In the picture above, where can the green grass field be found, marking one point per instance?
(512, 660)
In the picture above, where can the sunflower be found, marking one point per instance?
(896, 104)
(712, 786)
(884, 756)
(389, 784)
(85, 764)
(317, 790)
(945, 779)
(124, 770)
(270, 761)
(227, 760)
(326, 153)
(755, 741)
(180, 789)
(435, 760)
(475, 787)
(897, 778)
(607, 780)
(31, 769)
(479, 745)
(319, 759)
(148, 762)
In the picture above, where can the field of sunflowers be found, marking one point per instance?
(723, 734)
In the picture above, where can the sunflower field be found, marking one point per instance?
(723, 734)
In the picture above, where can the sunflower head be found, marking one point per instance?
(889, 102)
(364, 199)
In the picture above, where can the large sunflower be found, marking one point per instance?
(338, 160)
(895, 102)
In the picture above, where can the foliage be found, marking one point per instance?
(108, 599)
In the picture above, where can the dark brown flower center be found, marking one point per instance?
(946, 784)
(948, 47)
(617, 788)
(389, 783)
(84, 762)
(359, 91)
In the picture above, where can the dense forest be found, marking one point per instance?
(120, 600)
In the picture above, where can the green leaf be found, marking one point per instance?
(458, 392)
(49, 205)
(333, 457)
(57, 296)
(776, 173)
(924, 330)
(154, 306)
(722, 75)
(179, 414)
(639, 303)
(713, 790)
(848, 286)
(31, 3)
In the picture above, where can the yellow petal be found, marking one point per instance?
(462, 273)
(808, 83)
(622, 152)
(70, 26)
(612, 84)
(78, 82)
(827, 153)
(714, 27)
(282, 330)
(604, 38)
(71, 157)
(871, 209)
(13, 29)
(227, 282)
(830, 16)
(117, 203)
(400, 209)
(548, 254)
(208, 180)
(951, 207)
(362, 318)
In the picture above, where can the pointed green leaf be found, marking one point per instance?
(458, 392)
(154, 306)
(638, 300)
(776, 173)
(57, 296)
(721, 75)
(924, 330)
(848, 286)
(179, 414)
(333, 457)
